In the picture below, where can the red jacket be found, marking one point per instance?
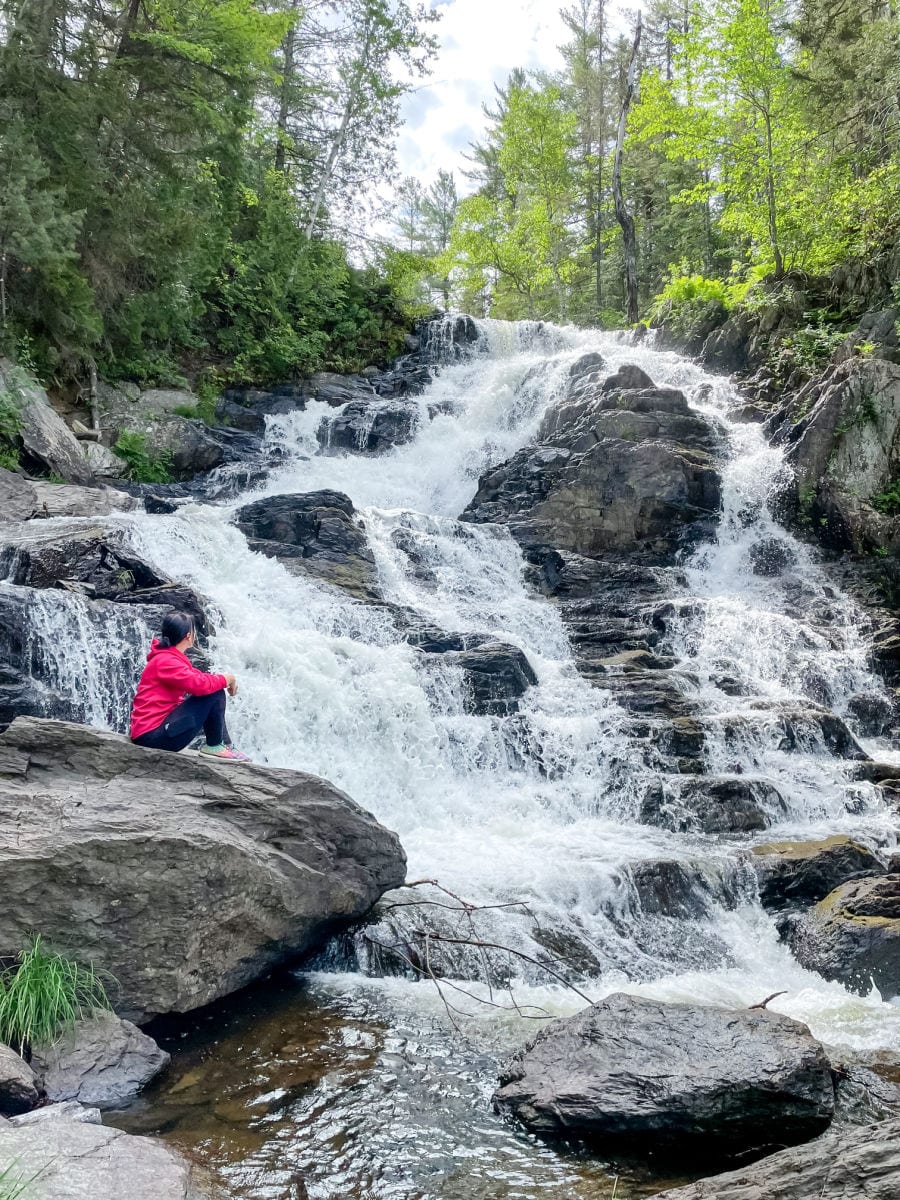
(168, 679)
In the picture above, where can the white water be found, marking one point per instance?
(540, 809)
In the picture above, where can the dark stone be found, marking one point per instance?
(853, 935)
(18, 1084)
(873, 713)
(695, 1082)
(586, 365)
(710, 804)
(497, 676)
(771, 556)
(316, 533)
(370, 427)
(628, 378)
(853, 1163)
(18, 499)
(804, 872)
(93, 561)
(259, 864)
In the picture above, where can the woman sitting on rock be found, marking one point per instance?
(174, 700)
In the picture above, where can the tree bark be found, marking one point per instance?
(287, 79)
(623, 216)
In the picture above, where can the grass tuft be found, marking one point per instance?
(12, 1183)
(44, 994)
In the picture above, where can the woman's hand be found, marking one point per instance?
(232, 685)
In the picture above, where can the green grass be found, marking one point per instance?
(13, 1184)
(43, 994)
(143, 465)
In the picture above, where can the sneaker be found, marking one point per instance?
(227, 752)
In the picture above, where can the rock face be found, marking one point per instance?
(67, 500)
(183, 877)
(77, 1160)
(47, 440)
(102, 1061)
(612, 469)
(18, 1084)
(692, 1081)
(854, 935)
(497, 676)
(804, 872)
(370, 426)
(317, 534)
(712, 805)
(855, 1163)
(18, 500)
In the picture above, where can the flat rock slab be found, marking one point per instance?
(804, 872)
(75, 1160)
(102, 1061)
(18, 1084)
(858, 1163)
(630, 1072)
(183, 877)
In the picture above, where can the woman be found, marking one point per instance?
(174, 700)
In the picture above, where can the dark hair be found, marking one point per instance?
(175, 628)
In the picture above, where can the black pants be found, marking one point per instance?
(183, 724)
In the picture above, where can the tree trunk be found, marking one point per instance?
(770, 198)
(623, 216)
(287, 79)
(3, 289)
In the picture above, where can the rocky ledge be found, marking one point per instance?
(182, 877)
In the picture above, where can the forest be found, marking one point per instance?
(191, 191)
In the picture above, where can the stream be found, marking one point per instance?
(362, 1083)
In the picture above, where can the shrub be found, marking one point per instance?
(10, 428)
(43, 994)
(143, 465)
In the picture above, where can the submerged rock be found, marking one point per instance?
(183, 877)
(78, 1160)
(853, 935)
(102, 1061)
(711, 804)
(314, 533)
(695, 1082)
(804, 872)
(370, 426)
(855, 1163)
(18, 1084)
(497, 676)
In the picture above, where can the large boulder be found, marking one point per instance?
(92, 559)
(78, 1160)
(612, 470)
(712, 804)
(370, 426)
(853, 935)
(631, 1072)
(68, 500)
(804, 872)
(183, 877)
(102, 1061)
(48, 443)
(496, 675)
(314, 533)
(853, 1163)
(18, 500)
(18, 1084)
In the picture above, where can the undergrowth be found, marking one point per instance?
(42, 994)
(144, 466)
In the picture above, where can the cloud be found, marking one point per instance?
(481, 41)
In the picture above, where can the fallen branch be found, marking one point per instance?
(763, 1003)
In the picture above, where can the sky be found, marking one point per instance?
(480, 43)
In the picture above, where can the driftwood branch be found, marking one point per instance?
(764, 1003)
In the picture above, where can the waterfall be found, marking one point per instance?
(541, 806)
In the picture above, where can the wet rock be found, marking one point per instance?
(103, 1061)
(855, 1163)
(316, 534)
(69, 500)
(676, 888)
(18, 499)
(370, 426)
(789, 728)
(874, 714)
(18, 1084)
(70, 1110)
(772, 556)
(258, 864)
(628, 378)
(853, 935)
(76, 1160)
(497, 676)
(196, 448)
(20, 693)
(696, 1082)
(804, 872)
(47, 441)
(586, 365)
(710, 804)
(93, 560)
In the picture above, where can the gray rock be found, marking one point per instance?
(68, 500)
(497, 676)
(694, 1081)
(18, 1083)
(74, 1160)
(317, 534)
(102, 1061)
(17, 497)
(857, 1163)
(102, 462)
(91, 559)
(711, 804)
(804, 872)
(183, 877)
(628, 378)
(370, 426)
(46, 438)
(69, 1110)
(771, 556)
(853, 935)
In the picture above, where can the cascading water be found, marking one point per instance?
(541, 807)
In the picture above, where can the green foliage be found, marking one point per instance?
(10, 427)
(144, 466)
(43, 994)
(888, 501)
(13, 1184)
(808, 347)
